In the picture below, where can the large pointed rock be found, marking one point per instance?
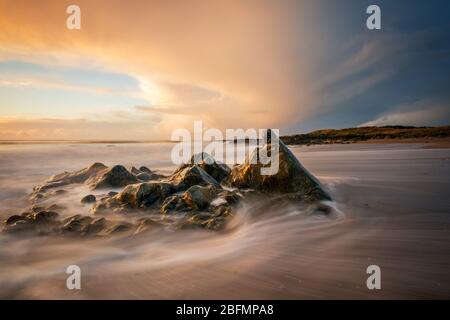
(291, 179)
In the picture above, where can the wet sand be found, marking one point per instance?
(393, 210)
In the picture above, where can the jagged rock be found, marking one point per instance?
(174, 203)
(36, 197)
(193, 193)
(135, 171)
(37, 208)
(13, 219)
(221, 210)
(218, 171)
(291, 178)
(144, 177)
(203, 220)
(22, 226)
(76, 224)
(231, 197)
(145, 170)
(198, 197)
(87, 226)
(115, 177)
(107, 205)
(43, 222)
(47, 223)
(95, 227)
(66, 178)
(90, 198)
(45, 217)
(188, 176)
(120, 227)
(145, 194)
(146, 224)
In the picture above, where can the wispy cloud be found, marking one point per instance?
(419, 113)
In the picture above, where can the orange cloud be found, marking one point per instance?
(236, 51)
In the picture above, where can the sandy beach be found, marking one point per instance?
(392, 210)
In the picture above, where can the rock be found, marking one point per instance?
(198, 197)
(13, 219)
(145, 225)
(107, 205)
(174, 203)
(145, 194)
(193, 193)
(144, 177)
(145, 170)
(188, 176)
(88, 199)
(63, 179)
(20, 226)
(95, 227)
(66, 178)
(135, 171)
(41, 223)
(76, 224)
(36, 197)
(203, 221)
(115, 177)
(36, 208)
(28, 215)
(45, 217)
(291, 178)
(231, 197)
(47, 223)
(120, 227)
(218, 171)
(221, 210)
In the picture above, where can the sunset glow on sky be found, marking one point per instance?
(140, 69)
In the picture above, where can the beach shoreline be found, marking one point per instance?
(393, 213)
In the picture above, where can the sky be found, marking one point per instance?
(138, 70)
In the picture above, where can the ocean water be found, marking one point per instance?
(392, 210)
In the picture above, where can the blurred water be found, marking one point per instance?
(394, 210)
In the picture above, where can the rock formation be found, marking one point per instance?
(291, 180)
(200, 194)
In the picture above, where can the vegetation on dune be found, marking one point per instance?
(349, 135)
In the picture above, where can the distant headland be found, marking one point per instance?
(370, 134)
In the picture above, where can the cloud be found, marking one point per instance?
(228, 59)
(229, 63)
(420, 113)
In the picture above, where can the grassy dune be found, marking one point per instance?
(350, 135)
